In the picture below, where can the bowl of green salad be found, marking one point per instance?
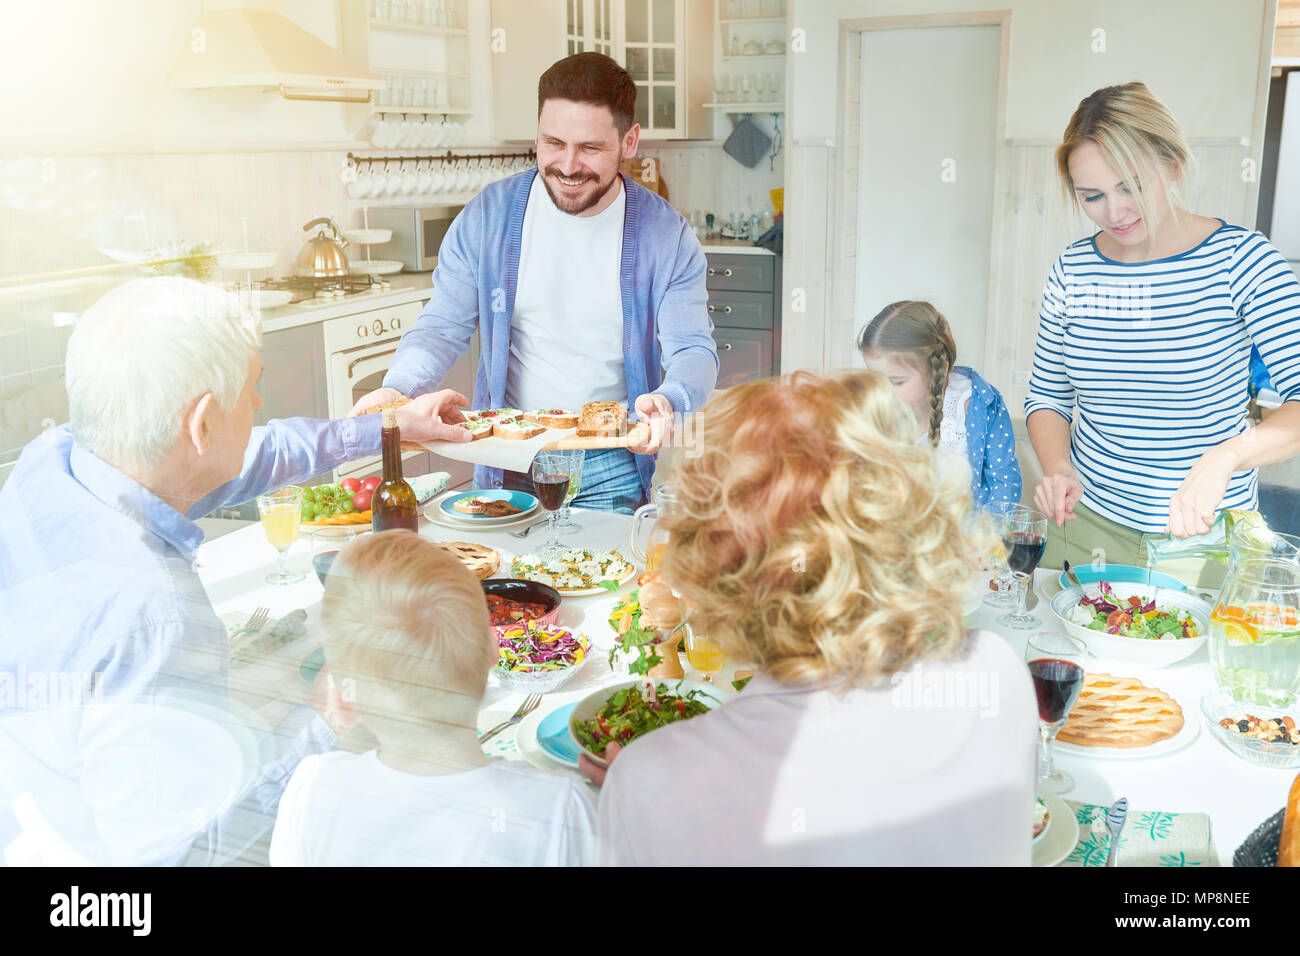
(623, 712)
(1153, 627)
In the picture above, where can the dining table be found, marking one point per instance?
(1200, 776)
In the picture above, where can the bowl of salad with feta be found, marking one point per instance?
(623, 712)
(1153, 626)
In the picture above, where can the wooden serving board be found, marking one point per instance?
(637, 434)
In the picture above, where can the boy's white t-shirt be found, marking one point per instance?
(343, 809)
(566, 334)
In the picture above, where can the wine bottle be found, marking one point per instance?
(393, 503)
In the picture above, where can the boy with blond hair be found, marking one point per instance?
(408, 648)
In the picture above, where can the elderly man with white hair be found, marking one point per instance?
(98, 540)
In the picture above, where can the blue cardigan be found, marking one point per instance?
(990, 445)
(665, 306)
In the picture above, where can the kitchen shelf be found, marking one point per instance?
(751, 19)
(401, 26)
(419, 74)
(746, 107)
(752, 56)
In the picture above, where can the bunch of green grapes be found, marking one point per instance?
(322, 501)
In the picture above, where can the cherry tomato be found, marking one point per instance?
(371, 483)
(350, 485)
(361, 500)
(1117, 618)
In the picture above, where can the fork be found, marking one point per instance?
(1065, 561)
(525, 532)
(527, 707)
(255, 622)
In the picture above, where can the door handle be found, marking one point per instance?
(725, 310)
(719, 272)
(365, 358)
(725, 347)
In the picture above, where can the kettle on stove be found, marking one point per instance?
(322, 257)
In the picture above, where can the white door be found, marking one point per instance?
(925, 188)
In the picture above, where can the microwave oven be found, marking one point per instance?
(417, 232)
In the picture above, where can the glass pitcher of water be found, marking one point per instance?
(663, 501)
(1254, 639)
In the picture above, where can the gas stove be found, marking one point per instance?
(308, 290)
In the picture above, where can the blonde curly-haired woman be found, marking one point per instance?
(819, 543)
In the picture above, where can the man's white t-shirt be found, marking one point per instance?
(566, 335)
(343, 809)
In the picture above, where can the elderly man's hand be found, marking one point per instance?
(434, 417)
(593, 771)
(380, 396)
(657, 412)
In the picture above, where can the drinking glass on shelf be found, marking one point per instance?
(774, 87)
(326, 543)
(566, 524)
(760, 85)
(705, 655)
(552, 473)
(1056, 664)
(281, 514)
(1024, 536)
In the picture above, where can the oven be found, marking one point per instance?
(358, 350)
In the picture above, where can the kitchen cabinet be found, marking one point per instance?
(744, 295)
(666, 46)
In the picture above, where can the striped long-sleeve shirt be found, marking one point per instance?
(1154, 357)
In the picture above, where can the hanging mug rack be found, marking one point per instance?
(378, 177)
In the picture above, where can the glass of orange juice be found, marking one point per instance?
(281, 514)
(705, 655)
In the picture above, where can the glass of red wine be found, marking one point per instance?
(325, 546)
(1000, 512)
(1056, 665)
(1024, 535)
(552, 473)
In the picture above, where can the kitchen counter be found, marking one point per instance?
(734, 247)
(406, 287)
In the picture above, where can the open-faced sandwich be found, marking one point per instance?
(602, 419)
(516, 429)
(553, 418)
(493, 414)
(488, 507)
(395, 403)
(477, 428)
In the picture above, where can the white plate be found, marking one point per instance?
(375, 267)
(1191, 729)
(368, 237)
(436, 516)
(1061, 836)
(526, 740)
(581, 592)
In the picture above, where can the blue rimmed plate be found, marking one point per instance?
(522, 500)
(554, 738)
(1121, 574)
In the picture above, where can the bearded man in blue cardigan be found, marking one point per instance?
(583, 285)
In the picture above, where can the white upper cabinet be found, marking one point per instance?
(666, 46)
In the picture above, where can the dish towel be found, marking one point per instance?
(1149, 838)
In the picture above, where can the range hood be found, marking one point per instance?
(251, 43)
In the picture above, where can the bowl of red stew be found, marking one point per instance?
(512, 601)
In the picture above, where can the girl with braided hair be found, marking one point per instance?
(910, 343)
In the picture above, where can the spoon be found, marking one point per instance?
(1115, 817)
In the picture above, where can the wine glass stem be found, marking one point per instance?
(281, 566)
(554, 541)
(1022, 593)
(1046, 765)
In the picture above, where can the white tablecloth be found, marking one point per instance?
(1201, 778)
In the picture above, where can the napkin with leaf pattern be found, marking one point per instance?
(1150, 838)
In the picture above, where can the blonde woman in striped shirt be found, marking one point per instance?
(1144, 345)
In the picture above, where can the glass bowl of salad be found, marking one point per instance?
(536, 658)
(1153, 627)
(631, 709)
